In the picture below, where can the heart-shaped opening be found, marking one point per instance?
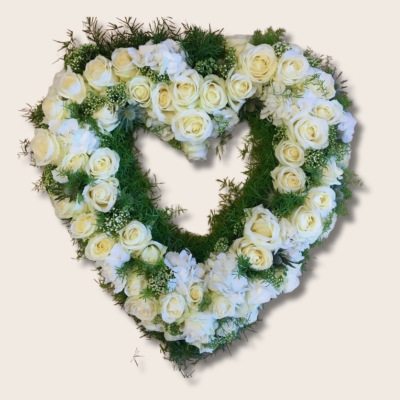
(191, 184)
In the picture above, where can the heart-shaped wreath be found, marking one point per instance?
(195, 294)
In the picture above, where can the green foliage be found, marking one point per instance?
(73, 188)
(283, 204)
(343, 99)
(270, 36)
(173, 329)
(343, 192)
(274, 275)
(25, 148)
(79, 112)
(200, 44)
(77, 59)
(34, 114)
(162, 29)
(205, 303)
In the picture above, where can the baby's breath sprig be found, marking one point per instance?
(154, 75)
(116, 95)
(78, 58)
(280, 48)
(113, 221)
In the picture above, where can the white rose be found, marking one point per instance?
(53, 108)
(172, 306)
(83, 226)
(311, 132)
(74, 161)
(45, 147)
(290, 154)
(195, 293)
(196, 152)
(63, 127)
(258, 62)
(321, 199)
(186, 89)
(103, 163)
(308, 223)
(288, 179)
(102, 195)
(331, 174)
(321, 83)
(153, 252)
(193, 126)
(330, 111)
(239, 88)
(222, 307)
(238, 42)
(66, 209)
(162, 103)
(199, 328)
(144, 309)
(107, 119)
(262, 228)
(292, 68)
(99, 247)
(139, 91)
(99, 73)
(347, 127)
(212, 94)
(260, 257)
(123, 64)
(135, 284)
(71, 86)
(227, 328)
(135, 236)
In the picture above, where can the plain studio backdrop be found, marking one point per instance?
(335, 337)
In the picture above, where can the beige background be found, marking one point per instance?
(336, 337)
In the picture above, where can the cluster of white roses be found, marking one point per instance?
(191, 109)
